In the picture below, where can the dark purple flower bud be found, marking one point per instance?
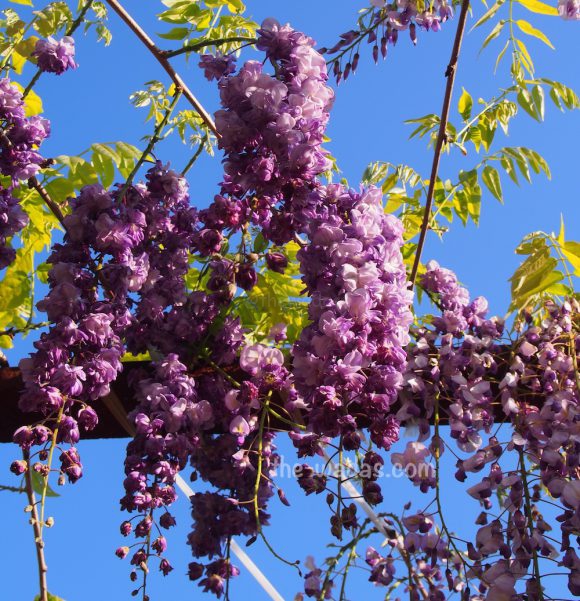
(347, 70)
(195, 571)
(122, 552)
(372, 493)
(413, 33)
(143, 527)
(18, 467)
(165, 567)
(159, 545)
(276, 262)
(23, 437)
(246, 276)
(208, 242)
(355, 62)
(384, 47)
(126, 528)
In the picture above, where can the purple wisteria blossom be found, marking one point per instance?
(348, 363)
(55, 56)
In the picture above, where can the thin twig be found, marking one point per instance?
(199, 45)
(36, 527)
(196, 155)
(441, 136)
(53, 206)
(163, 61)
(157, 133)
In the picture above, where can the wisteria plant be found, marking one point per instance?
(291, 305)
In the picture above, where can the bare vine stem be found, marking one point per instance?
(441, 136)
(162, 59)
(37, 530)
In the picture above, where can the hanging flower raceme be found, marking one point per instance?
(160, 319)
(272, 128)
(453, 359)
(384, 23)
(20, 137)
(78, 358)
(168, 422)
(12, 220)
(348, 363)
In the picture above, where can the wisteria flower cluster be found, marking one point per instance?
(385, 21)
(20, 137)
(214, 396)
(272, 129)
(348, 363)
(461, 370)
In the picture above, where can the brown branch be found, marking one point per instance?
(37, 529)
(441, 136)
(164, 62)
(53, 206)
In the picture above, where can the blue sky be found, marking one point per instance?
(91, 105)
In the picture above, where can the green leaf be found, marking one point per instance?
(494, 33)
(177, 33)
(465, 105)
(525, 56)
(23, 2)
(526, 101)
(571, 250)
(491, 179)
(540, 8)
(538, 99)
(501, 55)
(50, 598)
(528, 29)
(38, 486)
(489, 14)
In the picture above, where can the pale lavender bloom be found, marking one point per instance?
(55, 56)
(569, 9)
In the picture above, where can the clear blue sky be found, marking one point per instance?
(91, 104)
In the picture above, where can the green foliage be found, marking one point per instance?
(38, 486)
(551, 266)
(17, 286)
(276, 298)
(50, 598)
(205, 24)
(188, 124)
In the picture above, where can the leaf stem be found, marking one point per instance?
(34, 520)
